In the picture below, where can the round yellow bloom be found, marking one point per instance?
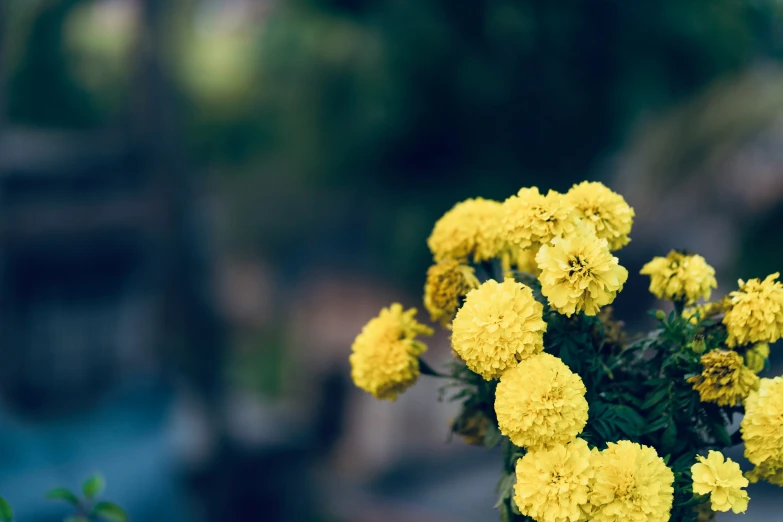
(756, 357)
(541, 402)
(447, 283)
(724, 380)
(385, 358)
(470, 230)
(578, 273)
(632, 483)
(605, 211)
(553, 484)
(722, 480)
(499, 325)
(680, 277)
(762, 431)
(754, 313)
(531, 219)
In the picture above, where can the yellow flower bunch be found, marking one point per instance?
(725, 380)
(583, 410)
(762, 431)
(385, 358)
(540, 402)
(499, 325)
(680, 277)
(447, 283)
(579, 274)
(754, 313)
(722, 480)
(469, 231)
(531, 219)
(553, 485)
(606, 212)
(631, 483)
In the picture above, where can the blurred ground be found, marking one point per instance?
(202, 202)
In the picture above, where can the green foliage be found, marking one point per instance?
(93, 486)
(89, 508)
(6, 513)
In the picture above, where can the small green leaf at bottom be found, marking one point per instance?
(62, 494)
(93, 486)
(110, 512)
(6, 513)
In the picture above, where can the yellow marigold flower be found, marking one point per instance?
(756, 357)
(724, 380)
(447, 283)
(722, 480)
(680, 277)
(632, 483)
(771, 472)
(553, 484)
(385, 358)
(578, 273)
(541, 402)
(470, 230)
(499, 325)
(605, 211)
(700, 312)
(525, 261)
(754, 313)
(762, 431)
(531, 219)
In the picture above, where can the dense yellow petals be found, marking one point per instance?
(447, 283)
(604, 211)
(632, 484)
(531, 219)
(722, 480)
(724, 380)
(579, 273)
(680, 277)
(762, 431)
(754, 313)
(385, 355)
(553, 484)
(470, 231)
(499, 325)
(541, 402)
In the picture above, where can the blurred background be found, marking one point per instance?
(202, 202)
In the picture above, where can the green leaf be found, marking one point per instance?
(62, 494)
(6, 513)
(93, 486)
(110, 512)
(492, 436)
(669, 437)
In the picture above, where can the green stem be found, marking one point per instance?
(426, 369)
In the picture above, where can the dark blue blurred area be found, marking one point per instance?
(202, 202)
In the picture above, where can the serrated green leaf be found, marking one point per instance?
(93, 486)
(62, 494)
(6, 513)
(110, 512)
(655, 398)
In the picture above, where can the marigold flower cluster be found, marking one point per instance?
(584, 411)
(385, 358)
(725, 380)
(722, 480)
(680, 277)
(762, 431)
